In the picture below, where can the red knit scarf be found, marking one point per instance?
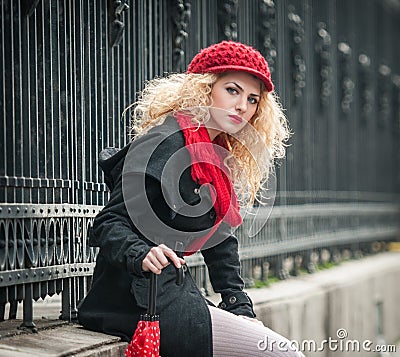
(208, 168)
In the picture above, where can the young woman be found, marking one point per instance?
(204, 144)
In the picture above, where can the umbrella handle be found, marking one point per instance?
(152, 298)
(180, 272)
(180, 275)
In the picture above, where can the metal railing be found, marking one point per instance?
(300, 236)
(44, 251)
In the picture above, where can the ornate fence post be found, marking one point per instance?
(227, 19)
(267, 32)
(116, 9)
(346, 84)
(384, 96)
(366, 95)
(296, 28)
(324, 66)
(180, 14)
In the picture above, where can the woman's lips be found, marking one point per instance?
(236, 119)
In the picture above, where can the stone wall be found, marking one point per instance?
(357, 300)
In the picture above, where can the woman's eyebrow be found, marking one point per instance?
(237, 85)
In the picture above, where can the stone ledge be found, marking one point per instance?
(10, 328)
(116, 349)
(65, 340)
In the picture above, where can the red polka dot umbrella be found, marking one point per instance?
(146, 339)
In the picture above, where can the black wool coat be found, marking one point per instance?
(119, 291)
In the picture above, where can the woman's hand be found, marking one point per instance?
(157, 259)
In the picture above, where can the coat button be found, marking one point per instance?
(212, 214)
(196, 191)
(232, 300)
(223, 305)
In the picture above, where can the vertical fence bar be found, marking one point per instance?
(3, 109)
(28, 308)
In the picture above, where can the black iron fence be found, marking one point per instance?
(69, 68)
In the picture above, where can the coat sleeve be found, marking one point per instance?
(224, 270)
(137, 215)
(120, 242)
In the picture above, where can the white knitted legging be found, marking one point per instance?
(234, 336)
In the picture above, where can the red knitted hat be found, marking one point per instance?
(232, 56)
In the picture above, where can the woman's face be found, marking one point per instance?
(234, 101)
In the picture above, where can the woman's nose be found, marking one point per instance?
(241, 105)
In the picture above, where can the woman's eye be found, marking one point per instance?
(231, 90)
(252, 100)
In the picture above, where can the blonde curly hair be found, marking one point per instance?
(253, 152)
